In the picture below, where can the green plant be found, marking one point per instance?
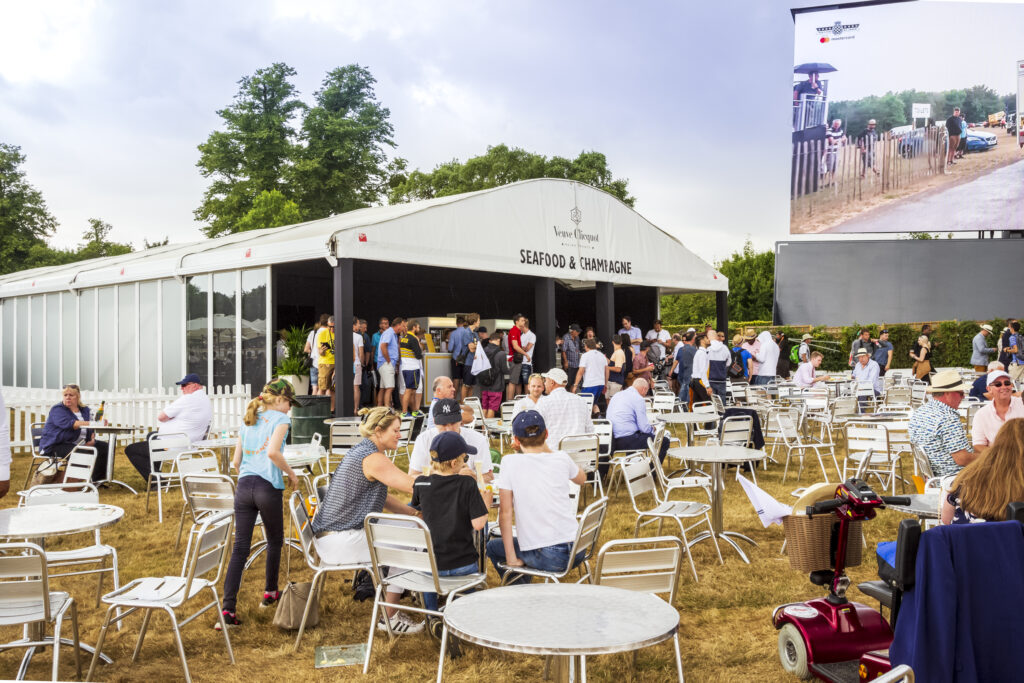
(291, 366)
(294, 362)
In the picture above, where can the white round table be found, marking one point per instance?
(112, 431)
(566, 620)
(689, 419)
(717, 456)
(924, 505)
(223, 444)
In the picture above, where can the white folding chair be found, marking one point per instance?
(584, 450)
(636, 471)
(664, 401)
(738, 430)
(584, 544)
(669, 484)
(699, 430)
(301, 524)
(343, 436)
(649, 565)
(206, 495)
(403, 545)
(35, 435)
(870, 441)
(163, 448)
(80, 464)
(405, 431)
(26, 598)
(507, 408)
(98, 553)
(787, 424)
(206, 552)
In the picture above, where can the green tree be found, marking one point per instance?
(751, 283)
(269, 210)
(253, 152)
(95, 243)
(687, 309)
(502, 165)
(344, 163)
(25, 221)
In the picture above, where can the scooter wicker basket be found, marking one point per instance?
(808, 542)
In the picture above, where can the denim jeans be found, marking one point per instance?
(762, 379)
(552, 558)
(430, 599)
(254, 496)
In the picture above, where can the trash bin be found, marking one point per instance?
(308, 415)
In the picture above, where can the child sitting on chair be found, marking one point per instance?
(452, 507)
(535, 484)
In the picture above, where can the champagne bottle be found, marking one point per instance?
(99, 413)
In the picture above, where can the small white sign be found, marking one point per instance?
(921, 111)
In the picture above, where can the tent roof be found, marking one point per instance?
(545, 227)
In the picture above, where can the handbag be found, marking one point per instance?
(292, 604)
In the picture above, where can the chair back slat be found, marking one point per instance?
(194, 461)
(300, 522)
(207, 551)
(166, 447)
(23, 581)
(637, 473)
(620, 561)
(81, 463)
(655, 582)
(204, 492)
(401, 543)
(403, 559)
(649, 565)
(411, 537)
(52, 494)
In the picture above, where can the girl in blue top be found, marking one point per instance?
(261, 468)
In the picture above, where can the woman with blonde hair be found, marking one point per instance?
(358, 487)
(922, 354)
(67, 425)
(534, 392)
(983, 489)
(261, 468)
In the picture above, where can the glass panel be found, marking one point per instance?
(69, 333)
(198, 335)
(22, 332)
(52, 337)
(254, 329)
(224, 297)
(87, 339)
(171, 334)
(106, 339)
(147, 327)
(9, 336)
(36, 350)
(126, 337)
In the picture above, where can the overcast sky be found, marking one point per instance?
(688, 100)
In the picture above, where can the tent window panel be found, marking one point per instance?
(9, 336)
(197, 326)
(147, 332)
(37, 350)
(126, 322)
(172, 333)
(23, 337)
(254, 328)
(87, 339)
(52, 341)
(223, 346)
(106, 339)
(69, 335)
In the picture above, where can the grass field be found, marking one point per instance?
(726, 631)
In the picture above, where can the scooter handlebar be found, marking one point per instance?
(823, 506)
(896, 500)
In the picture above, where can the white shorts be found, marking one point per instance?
(357, 375)
(343, 547)
(387, 376)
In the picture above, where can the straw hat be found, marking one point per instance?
(987, 328)
(947, 380)
(806, 337)
(750, 333)
(864, 352)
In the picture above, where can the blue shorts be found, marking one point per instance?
(596, 391)
(411, 379)
(314, 373)
(524, 374)
(468, 378)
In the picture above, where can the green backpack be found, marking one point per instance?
(794, 354)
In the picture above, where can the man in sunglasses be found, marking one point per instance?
(1003, 406)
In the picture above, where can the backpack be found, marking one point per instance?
(794, 354)
(736, 367)
(488, 376)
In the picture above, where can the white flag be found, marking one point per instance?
(480, 360)
(769, 510)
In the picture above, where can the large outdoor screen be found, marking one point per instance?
(907, 117)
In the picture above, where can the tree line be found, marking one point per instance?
(895, 109)
(277, 160)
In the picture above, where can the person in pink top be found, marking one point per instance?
(753, 346)
(1003, 406)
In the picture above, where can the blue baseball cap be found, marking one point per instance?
(448, 446)
(190, 378)
(525, 423)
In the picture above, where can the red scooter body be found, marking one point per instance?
(836, 639)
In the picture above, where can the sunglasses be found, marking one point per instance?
(1001, 384)
(71, 386)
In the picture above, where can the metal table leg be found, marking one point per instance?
(111, 454)
(717, 496)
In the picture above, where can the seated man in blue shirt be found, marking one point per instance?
(979, 389)
(631, 429)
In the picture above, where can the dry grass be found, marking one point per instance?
(726, 630)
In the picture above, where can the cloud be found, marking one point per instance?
(45, 42)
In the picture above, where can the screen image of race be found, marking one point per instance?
(908, 117)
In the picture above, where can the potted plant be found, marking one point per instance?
(294, 366)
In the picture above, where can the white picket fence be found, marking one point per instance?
(127, 409)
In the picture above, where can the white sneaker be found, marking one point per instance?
(401, 623)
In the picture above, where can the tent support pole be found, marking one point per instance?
(605, 312)
(343, 313)
(544, 326)
(722, 312)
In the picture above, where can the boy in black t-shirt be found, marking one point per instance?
(452, 507)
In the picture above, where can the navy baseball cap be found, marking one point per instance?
(190, 378)
(448, 446)
(447, 411)
(527, 420)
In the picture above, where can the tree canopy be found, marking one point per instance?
(25, 221)
(895, 109)
(502, 165)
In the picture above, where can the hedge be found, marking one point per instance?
(951, 340)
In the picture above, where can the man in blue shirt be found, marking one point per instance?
(883, 352)
(683, 366)
(1016, 351)
(388, 359)
(634, 334)
(627, 413)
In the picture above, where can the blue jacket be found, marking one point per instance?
(961, 620)
(685, 356)
(59, 427)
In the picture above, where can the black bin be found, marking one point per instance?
(308, 415)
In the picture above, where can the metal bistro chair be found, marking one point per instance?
(584, 450)
(98, 553)
(672, 483)
(649, 565)
(206, 495)
(705, 408)
(301, 523)
(405, 432)
(787, 422)
(738, 430)
(206, 553)
(870, 441)
(403, 545)
(585, 543)
(26, 598)
(664, 401)
(80, 464)
(507, 408)
(636, 471)
(164, 448)
(344, 435)
(36, 434)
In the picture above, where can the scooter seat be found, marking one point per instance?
(879, 590)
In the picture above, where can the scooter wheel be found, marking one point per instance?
(793, 652)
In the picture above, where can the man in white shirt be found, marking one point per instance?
(5, 449)
(564, 414)
(593, 372)
(866, 371)
(357, 362)
(804, 352)
(448, 418)
(660, 338)
(534, 487)
(767, 355)
(701, 362)
(190, 414)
